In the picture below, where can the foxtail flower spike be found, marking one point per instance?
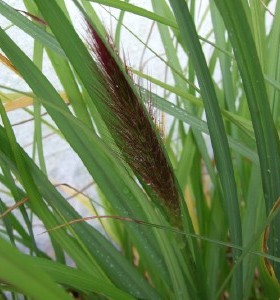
(132, 128)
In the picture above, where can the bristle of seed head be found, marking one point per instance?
(130, 125)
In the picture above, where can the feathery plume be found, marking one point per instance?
(131, 127)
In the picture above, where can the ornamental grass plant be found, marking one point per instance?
(179, 220)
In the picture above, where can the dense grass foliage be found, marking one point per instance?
(178, 222)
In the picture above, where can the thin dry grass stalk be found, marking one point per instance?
(131, 127)
(16, 205)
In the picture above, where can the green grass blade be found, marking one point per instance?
(216, 130)
(253, 80)
(118, 29)
(78, 280)
(273, 64)
(91, 12)
(71, 88)
(137, 10)
(9, 182)
(17, 270)
(38, 138)
(170, 50)
(199, 125)
(257, 12)
(274, 83)
(244, 124)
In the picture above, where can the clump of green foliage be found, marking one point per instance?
(181, 223)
